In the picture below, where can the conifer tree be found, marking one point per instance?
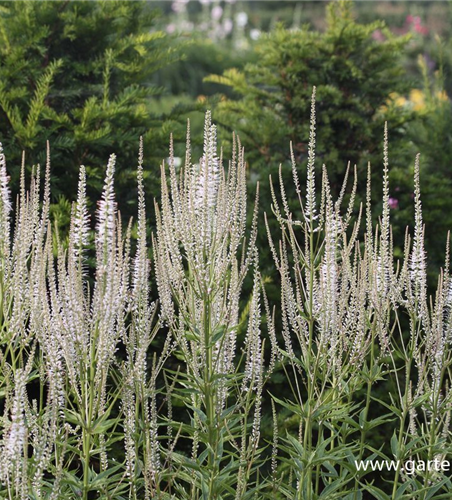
(356, 69)
(79, 75)
(354, 73)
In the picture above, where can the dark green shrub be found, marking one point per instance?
(77, 74)
(354, 74)
(356, 68)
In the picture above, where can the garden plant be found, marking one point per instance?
(110, 391)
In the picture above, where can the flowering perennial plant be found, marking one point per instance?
(109, 392)
(202, 258)
(344, 306)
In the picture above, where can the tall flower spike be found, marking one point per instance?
(81, 219)
(369, 230)
(5, 206)
(209, 172)
(310, 191)
(385, 219)
(296, 180)
(417, 263)
(15, 437)
(107, 210)
(253, 364)
(141, 268)
(447, 290)
(188, 164)
(385, 229)
(46, 198)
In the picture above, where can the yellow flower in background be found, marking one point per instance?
(397, 99)
(417, 99)
(394, 99)
(400, 101)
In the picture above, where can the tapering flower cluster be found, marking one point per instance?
(325, 286)
(5, 205)
(84, 338)
(49, 302)
(339, 294)
(202, 258)
(200, 228)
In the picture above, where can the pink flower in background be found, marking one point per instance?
(393, 203)
(228, 25)
(378, 36)
(171, 28)
(415, 21)
(216, 13)
(423, 30)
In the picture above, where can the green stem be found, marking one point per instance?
(87, 420)
(367, 406)
(408, 361)
(86, 458)
(432, 433)
(209, 394)
(307, 441)
(317, 471)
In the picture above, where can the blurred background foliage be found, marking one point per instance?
(91, 77)
(79, 74)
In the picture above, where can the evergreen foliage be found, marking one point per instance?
(355, 76)
(78, 74)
